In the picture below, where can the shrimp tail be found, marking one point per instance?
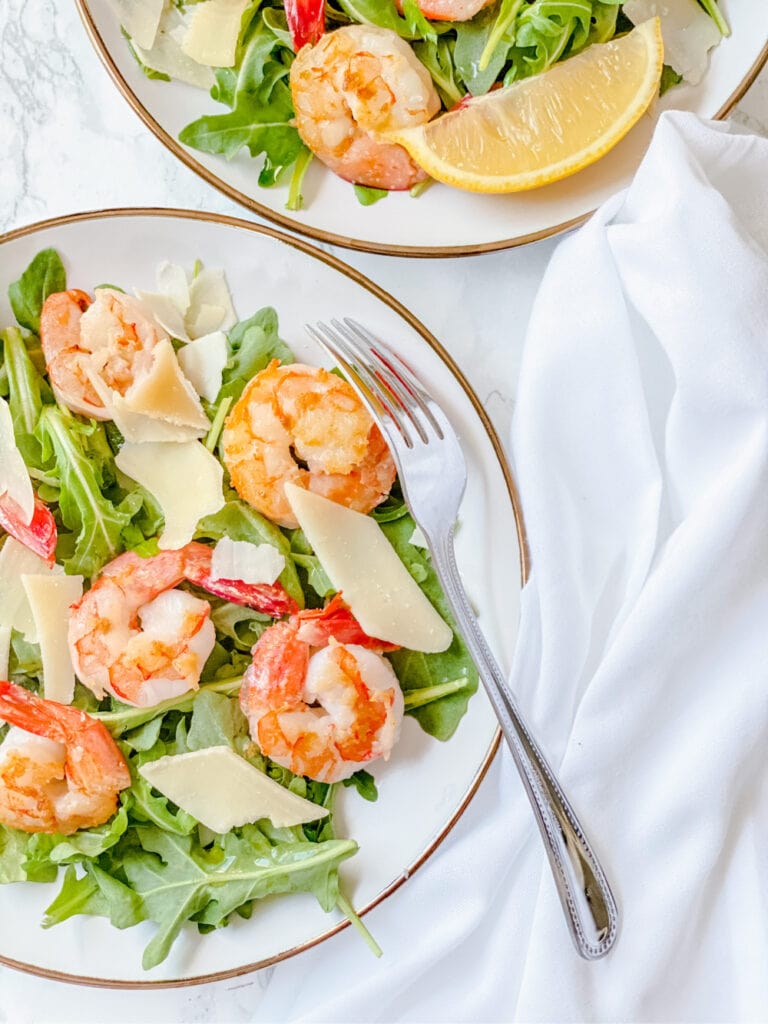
(39, 535)
(306, 21)
(269, 598)
(336, 621)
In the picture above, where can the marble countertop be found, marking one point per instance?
(72, 143)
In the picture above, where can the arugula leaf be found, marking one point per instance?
(416, 670)
(364, 783)
(27, 392)
(13, 853)
(44, 275)
(177, 881)
(261, 112)
(82, 463)
(368, 196)
(95, 893)
(252, 344)
(669, 79)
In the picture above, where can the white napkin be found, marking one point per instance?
(641, 449)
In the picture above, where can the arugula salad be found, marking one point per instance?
(186, 687)
(344, 81)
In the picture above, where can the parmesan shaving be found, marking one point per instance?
(203, 361)
(16, 561)
(14, 478)
(687, 30)
(50, 598)
(185, 480)
(214, 32)
(251, 563)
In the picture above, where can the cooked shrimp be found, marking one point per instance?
(304, 425)
(111, 336)
(354, 84)
(324, 714)
(449, 10)
(60, 770)
(136, 637)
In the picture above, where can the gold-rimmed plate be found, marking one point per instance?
(443, 221)
(426, 785)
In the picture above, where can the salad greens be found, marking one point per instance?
(506, 41)
(152, 860)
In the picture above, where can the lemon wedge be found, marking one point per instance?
(543, 128)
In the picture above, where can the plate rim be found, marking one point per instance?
(380, 293)
(327, 237)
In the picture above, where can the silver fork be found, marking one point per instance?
(433, 475)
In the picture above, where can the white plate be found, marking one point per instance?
(427, 784)
(444, 221)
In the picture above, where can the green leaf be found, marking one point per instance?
(177, 881)
(252, 344)
(95, 893)
(365, 784)
(44, 276)
(368, 196)
(259, 96)
(13, 853)
(27, 392)
(85, 844)
(217, 721)
(83, 468)
(669, 79)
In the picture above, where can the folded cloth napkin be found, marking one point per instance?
(640, 445)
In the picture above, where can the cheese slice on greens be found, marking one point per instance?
(185, 480)
(140, 19)
(689, 33)
(5, 650)
(241, 560)
(213, 34)
(16, 561)
(222, 790)
(203, 361)
(14, 478)
(49, 598)
(166, 55)
(210, 304)
(363, 565)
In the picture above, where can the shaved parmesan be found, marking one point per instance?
(363, 565)
(222, 790)
(418, 539)
(210, 304)
(203, 361)
(49, 598)
(14, 478)
(17, 561)
(164, 309)
(140, 19)
(251, 563)
(689, 33)
(213, 34)
(166, 55)
(5, 650)
(185, 480)
(165, 393)
(172, 281)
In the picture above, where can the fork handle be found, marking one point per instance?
(584, 892)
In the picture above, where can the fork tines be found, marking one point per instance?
(386, 385)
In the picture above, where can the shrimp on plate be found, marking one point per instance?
(324, 713)
(133, 635)
(304, 425)
(449, 10)
(60, 770)
(353, 85)
(111, 335)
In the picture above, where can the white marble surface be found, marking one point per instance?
(72, 143)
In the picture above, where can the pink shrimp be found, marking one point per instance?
(60, 770)
(355, 84)
(135, 636)
(323, 714)
(449, 10)
(39, 535)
